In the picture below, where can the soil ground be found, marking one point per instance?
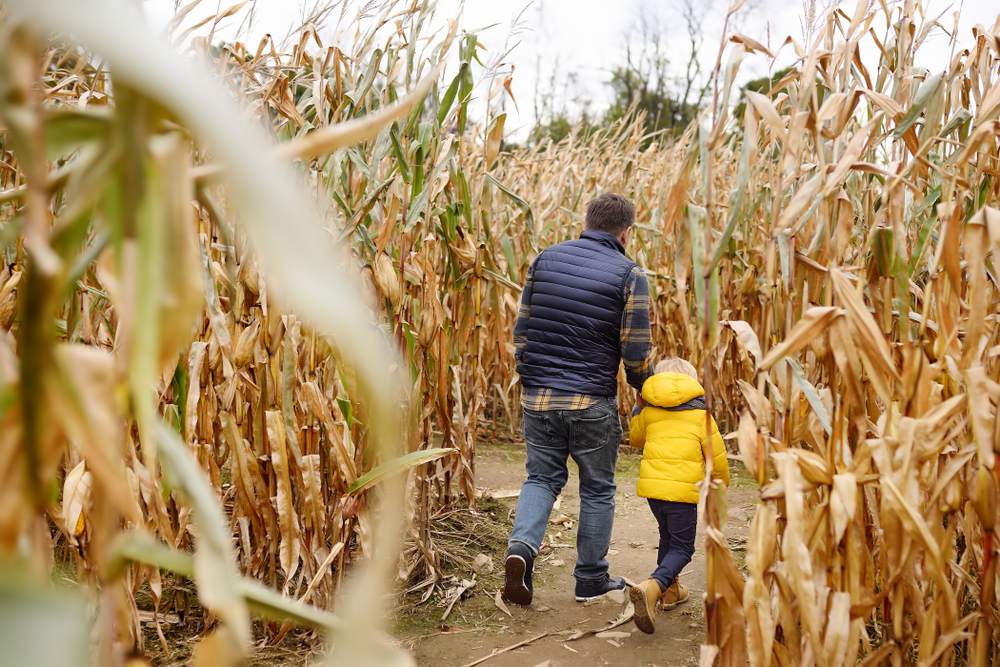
(476, 626)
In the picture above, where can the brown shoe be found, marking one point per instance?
(673, 596)
(644, 598)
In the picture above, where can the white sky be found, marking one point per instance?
(582, 40)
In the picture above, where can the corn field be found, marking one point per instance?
(228, 344)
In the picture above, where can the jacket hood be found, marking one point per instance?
(668, 390)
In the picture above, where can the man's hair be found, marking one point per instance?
(676, 365)
(609, 213)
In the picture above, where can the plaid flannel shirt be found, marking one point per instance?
(636, 346)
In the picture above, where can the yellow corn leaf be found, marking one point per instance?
(813, 323)
(859, 142)
(814, 467)
(329, 139)
(914, 523)
(197, 360)
(746, 337)
(750, 44)
(288, 520)
(748, 440)
(494, 139)
(218, 649)
(803, 197)
(991, 216)
(246, 473)
(872, 346)
(795, 552)
(345, 461)
(312, 497)
(85, 400)
(975, 244)
(774, 122)
(837, 641)
(843, 503)
(981, 413)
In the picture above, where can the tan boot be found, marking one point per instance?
(644, 597)
(673, 596)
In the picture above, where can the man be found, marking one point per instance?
(584, 309)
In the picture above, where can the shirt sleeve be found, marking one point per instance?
(636, 340)
(521, 325)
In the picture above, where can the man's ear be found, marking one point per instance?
(624, 237)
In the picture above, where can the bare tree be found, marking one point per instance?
(694, 14)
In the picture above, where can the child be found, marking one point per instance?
(672, 429)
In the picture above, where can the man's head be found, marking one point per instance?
(610, 213)
(676, 365)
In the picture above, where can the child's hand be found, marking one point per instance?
(640, 402)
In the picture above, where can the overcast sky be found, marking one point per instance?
(580, 41)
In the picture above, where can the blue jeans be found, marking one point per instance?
(591, 437)
(678, 525)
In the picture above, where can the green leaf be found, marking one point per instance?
(785, 255)
(180, 385)
(930, 87)
(138, 547)
(42, 626)
(401, 159)
(397, 466)
(416, 207)
(10, 231)
(736, 202)
(449, 95)
(68, 129)
(884, 251)
(345, 408)
(503, 280)
(695, 216)
(288, 359)
(811, 395)
(214, 561)
(358, 94)
(960, 119)
(529, 216)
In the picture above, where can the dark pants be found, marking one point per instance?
(678, 525)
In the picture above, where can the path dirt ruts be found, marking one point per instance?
(479, 627)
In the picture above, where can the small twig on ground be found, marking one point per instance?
(497, 652)
(622, 619)
(453, 631)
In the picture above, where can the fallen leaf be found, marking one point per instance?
(500, 605)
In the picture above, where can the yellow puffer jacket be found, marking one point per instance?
(674, 457)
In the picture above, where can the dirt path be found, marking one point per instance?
(476, 626)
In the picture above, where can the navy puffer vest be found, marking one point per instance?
(574, 327)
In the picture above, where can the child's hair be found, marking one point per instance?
(676, 365)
